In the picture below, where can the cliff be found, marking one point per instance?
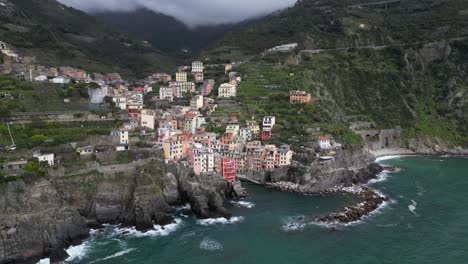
(41, 217)
(351, 165)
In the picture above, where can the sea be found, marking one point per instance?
(425, 222)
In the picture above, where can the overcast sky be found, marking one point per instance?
(191, 12)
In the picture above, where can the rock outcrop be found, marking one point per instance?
(41, 217)
(351, 165)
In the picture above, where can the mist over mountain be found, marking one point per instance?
(165, 32)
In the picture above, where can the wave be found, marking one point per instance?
(294, 225)
(389, 157)
(185, 207)
(412, 207)
(77, 252)
(381, 177)
(244, 204)
(44, 261)
(116, 255)
(210, 244)
(158, 230)
(222, 220)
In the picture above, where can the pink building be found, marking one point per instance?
(199, 77)
(202, 159)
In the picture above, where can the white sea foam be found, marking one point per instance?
(185, 207)
(293, 226)
(116, 255)
(389, 157)
(210, 244)
(381, 177)
(158, 230)
(412, 207)
(222, 220)
(44, 261)
(244, 204)
(77, 252)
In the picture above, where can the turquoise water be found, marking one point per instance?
(427, 222)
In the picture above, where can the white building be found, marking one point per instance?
(49, 158)
(166, 93)
(227, 90)
(324, 142)
(203, 160)
(185, 87)
(196, 102)
(197, 66)
(193, 121)
(181, 76)
(40, 78)
(246, 134)
(60, 80)
(97, 95)
(147, 118)
(120, 101)
(233, 128)
(120, 136)
(285, 155)
(268, 122)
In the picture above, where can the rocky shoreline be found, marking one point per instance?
(372, 200)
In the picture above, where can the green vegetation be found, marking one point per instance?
(52, 134)
(33, 169)
(60, 35)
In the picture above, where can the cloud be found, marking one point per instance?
(191, 12)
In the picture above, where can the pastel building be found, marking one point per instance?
(199, 77)
(166, 93)
(97, 95)
(227, 90)
(299, 97)
(202, 159)
(197, 67)
(181, 76)
(196, 102)
(147, 118)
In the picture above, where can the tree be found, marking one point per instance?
(33, 169)
(37, 140)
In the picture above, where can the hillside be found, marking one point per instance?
(167, 33)
(401, 64)
(60, 35)
(328, 24)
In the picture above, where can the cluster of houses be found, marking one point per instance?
(181, 130)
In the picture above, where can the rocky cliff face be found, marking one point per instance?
(42, 217)
(351, 165)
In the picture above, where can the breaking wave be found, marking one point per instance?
(390, 157)
(77, 252)
(244, 204)
(158, 230)
(222, 221)
(116, 255)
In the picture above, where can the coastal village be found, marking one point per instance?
(175, 113)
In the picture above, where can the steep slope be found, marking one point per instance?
(164, 32)
(349, 23)
(400, 63)
(60, 35)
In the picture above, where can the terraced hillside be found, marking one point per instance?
(59, 35)
(400, 63)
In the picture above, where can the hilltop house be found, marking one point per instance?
(97, 95)
(299, 97)
(49, 158)
(181, 76)
(227, 90)
(324, 142)
(197, 67)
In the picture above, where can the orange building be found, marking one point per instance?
(299, 97)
